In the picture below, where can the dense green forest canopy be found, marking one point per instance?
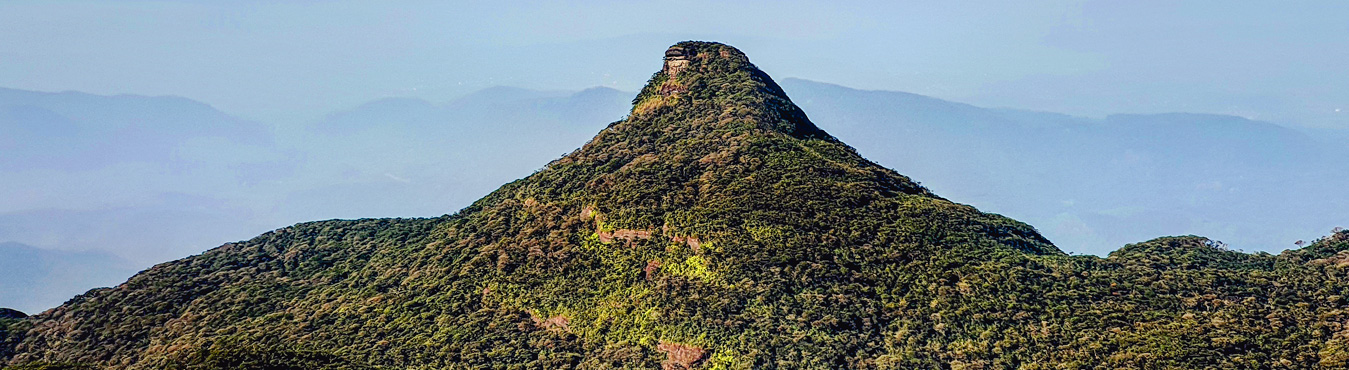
(715, 227)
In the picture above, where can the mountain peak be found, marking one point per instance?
(708, 127)
(716, 86)
(661, 241)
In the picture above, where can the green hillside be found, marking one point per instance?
(714, 228)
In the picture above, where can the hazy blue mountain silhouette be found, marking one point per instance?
(127, 177)
(32, 278)
(397, 153)
(72, 130)
(1095, 184)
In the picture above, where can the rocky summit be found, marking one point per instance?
(715, 227)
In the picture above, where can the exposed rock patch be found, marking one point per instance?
(676, 59)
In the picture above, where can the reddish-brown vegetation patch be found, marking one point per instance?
(626, 234)
(651, 268)
(1340, 260)
(690, 240)
(679, 356)
(558, 323)
(671, 88)
(610, 236)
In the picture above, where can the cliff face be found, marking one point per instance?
(715, 227)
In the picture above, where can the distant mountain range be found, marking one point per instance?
(76, 131)
(145, 178)
(34, 279)
(1092, 185)
(156, 178)
(411, 157)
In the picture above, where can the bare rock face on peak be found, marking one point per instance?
(715, 227)
(676, 58)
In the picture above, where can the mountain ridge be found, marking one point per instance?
(715, 227)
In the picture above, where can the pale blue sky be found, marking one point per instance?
(291, 61)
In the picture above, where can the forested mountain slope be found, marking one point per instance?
(715, 227)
